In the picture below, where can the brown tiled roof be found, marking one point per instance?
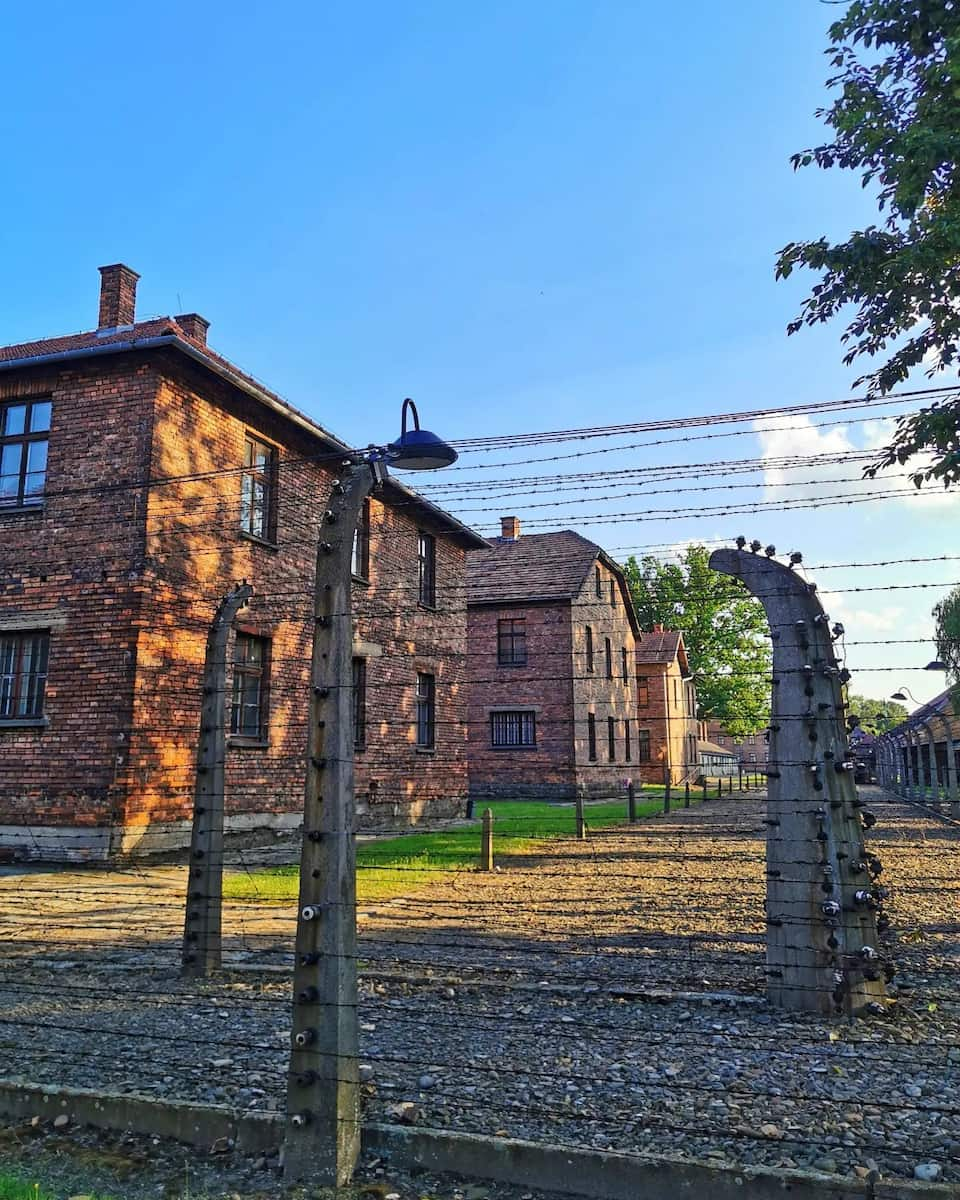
(659, 647)
(142, 333)
(536, 566)
(713, 748)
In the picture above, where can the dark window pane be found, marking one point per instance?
(513, 729)
(359, 703)
(427, 566)
(23, 674)
(591, 737)
(257, 489)
(426, 714)
(247, 712)
(512, 641)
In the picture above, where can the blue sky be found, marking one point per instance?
(526, 215)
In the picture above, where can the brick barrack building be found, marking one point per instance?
(552, 694)
(141, 476)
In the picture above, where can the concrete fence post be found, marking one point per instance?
(580, 819)
(631, 802)
(202, 948)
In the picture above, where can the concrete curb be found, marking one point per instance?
(603, 1175)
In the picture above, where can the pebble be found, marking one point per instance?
(913, 1091)
(365, 1072)
(825, 1163)
(927, 1172)
(61, 1121)
(426, 1082)
(771, 1131)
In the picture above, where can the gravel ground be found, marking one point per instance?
(608, 993)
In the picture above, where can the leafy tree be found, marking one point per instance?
(946, 614)
(896, 120)
(876, 716)
(724, 629)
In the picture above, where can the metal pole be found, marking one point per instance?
(322, 1135)
(486, 841)
(202, 921)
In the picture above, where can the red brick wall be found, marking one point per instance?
(670, 717)
(556, 684)
(544, 684)
(72, 566)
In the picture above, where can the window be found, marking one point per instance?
(643, 691)
(676, 691)
(512, 642)
(643, 745)
(613, 593)
(608, 651)
(624, 659)
(599, 582)
(589, 639)
(752, 757)
(250, 662)
(611, 739)
(23, 674)
(24, 433)
(627, 751)
(721, 740)
(257, 489)
(427, 561)
(513, 729)
(426, 710)
(359, 703)
(360, 560)
(591, 737)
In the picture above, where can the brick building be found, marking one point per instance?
(751, 750)
(141, 475)
(551, 635)
(666, 708)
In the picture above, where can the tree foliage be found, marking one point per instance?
(724, 629)
(876, 716)
(946, 616)
(896, 120)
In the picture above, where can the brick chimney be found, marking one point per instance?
(658, 629)
(194, 326)
(509, 528)
(118, 296)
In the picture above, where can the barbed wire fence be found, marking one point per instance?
(606, 992)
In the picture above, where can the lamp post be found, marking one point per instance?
(322, 1134)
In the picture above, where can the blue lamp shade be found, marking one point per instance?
(418, 449)
(936, 665)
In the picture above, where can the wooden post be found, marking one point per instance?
(719, 787)
(322, 1134)
(631, 802)
(822, 896)
(704, 789)
(666, 790)
(581, 822)
(486, 841)
(740, 769)
(686, 794)
(729, 785)
(201, 928)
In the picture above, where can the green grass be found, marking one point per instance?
(396, 866)
(15, 1187)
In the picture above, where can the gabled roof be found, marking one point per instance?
(538, 567)
(712, 748)
(661, 647)
(166, 333)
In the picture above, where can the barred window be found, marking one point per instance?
(517, 728)
(589, 643)
(426, 711)
(643, 745)
(599, 583)
(427, 565)
(24, 433)
(611, 739)
(625, 662)
(23, 674)
(591, 737)
(608, 653)
(250, 663)
(512, 642)
(360, 560)
(643, 690)
(627, 749)
(257, 489)
(359, 703)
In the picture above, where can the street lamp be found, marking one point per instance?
(322, 1134)
(936, 665)
(903, 693)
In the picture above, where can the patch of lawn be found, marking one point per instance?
(15, 1187)
(398, 865)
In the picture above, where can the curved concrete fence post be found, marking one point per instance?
(933, 772)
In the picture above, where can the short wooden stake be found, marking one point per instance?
(486, 841)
